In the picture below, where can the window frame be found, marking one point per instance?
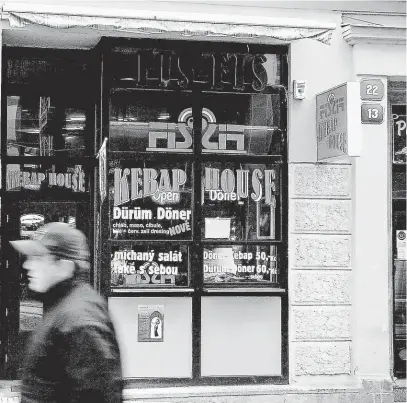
(35, 86)
(197, 289)
(396, 97)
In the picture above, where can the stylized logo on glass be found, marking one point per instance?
(216, 138)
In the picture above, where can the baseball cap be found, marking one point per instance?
(57, 238)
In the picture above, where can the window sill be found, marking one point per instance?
(245, 290)
(400, 383)
(116, 291)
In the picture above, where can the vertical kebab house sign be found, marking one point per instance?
(338, 123)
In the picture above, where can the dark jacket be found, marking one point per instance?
(73, 355)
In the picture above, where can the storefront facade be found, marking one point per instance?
(237, 259)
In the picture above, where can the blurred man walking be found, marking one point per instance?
(73, 356)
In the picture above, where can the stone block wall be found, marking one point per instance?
(320, 272)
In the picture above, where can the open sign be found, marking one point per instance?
(166, 197)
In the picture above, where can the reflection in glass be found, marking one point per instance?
(241, 68)
(241, 201)
(150, 122)
(400, 284)
(32, 217)
(399, 183)
(246, 124)
(47, 176)
(400, 322)
(40, 126)
(150, 200)
(29, 223)
(241, 264)
(149, 266)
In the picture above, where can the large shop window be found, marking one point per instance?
(47, 174)
(153, 188)
(45, 126)
(197, 208)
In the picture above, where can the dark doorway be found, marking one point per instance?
(24, 311)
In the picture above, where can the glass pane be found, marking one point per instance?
(39, 71)
(246, 124)
(43, 126)
(47, 176)
(151, 122)
(150, 200)
(400, 270)
(241, 201)
(152, 265)
(229, 68)
(400, 284)
(241, 264)
(170, 359)
(399, 183)
(241, 336)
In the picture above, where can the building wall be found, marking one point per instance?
(322, 67)
(340, 276)
(320, 223)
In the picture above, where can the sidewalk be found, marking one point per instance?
(369, 392)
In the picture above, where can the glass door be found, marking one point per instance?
(24, 219)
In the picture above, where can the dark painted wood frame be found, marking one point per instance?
(196, 280)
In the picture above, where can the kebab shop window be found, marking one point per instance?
(198, 212)
(151, 223)
(241, 203)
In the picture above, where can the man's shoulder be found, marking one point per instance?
(83, 307)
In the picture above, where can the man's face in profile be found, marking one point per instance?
(45, 271)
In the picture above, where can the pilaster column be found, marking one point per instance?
(371, 292)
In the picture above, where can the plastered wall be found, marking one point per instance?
(320, 222)
(340, 320)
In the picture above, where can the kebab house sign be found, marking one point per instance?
(73, 179)
(337, 122)
(150, 203)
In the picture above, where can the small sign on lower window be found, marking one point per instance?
(217, 228)
(151, 323)
(401, 245)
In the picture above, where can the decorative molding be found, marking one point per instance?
(377, 29)
(354, 34)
